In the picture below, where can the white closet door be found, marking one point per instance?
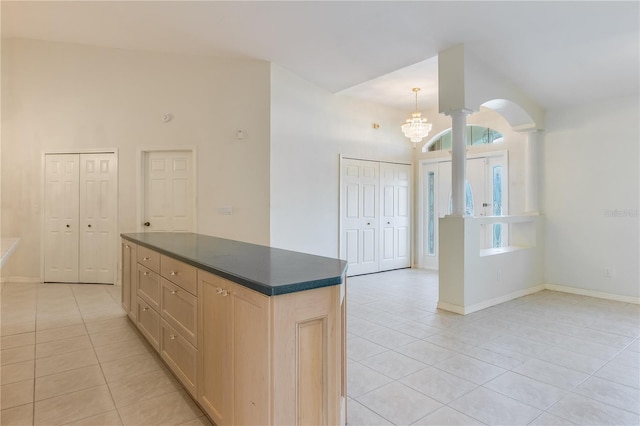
(395, 246)
(61, 218)
(360, 207)
(97, 218)
(169, 194)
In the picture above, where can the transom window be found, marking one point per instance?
(476, 135)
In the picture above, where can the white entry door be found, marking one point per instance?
(360, 207)
(485, 195)
(61, 206)
(80, 218)
(395, 247)
(169, 201)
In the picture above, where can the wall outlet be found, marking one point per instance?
(227, 211)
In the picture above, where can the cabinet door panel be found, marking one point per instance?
(180, 355)
(126, 276)
(180, 309)
(148, 322)
(179, 273)
(148, 284)
(149, 258)
(216, 384)
(250, 355)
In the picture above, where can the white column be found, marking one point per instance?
(458, 160)
(531, 173)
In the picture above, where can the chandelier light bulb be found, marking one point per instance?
(416, 127)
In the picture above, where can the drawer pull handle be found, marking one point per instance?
(219, 290)
(174, 291)
(172, 336)
(144, 309)
(146, 258)
(173, 273)
(127, 246)
(145, 273)
(225, 293)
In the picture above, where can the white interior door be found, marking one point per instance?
(360, 207)
(61, 218)
(168, 191)
(395, 247)
(97, 218)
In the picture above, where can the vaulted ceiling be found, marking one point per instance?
(559, 53)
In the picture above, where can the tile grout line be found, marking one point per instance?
(93, 348)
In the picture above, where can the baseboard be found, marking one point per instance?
(498, 300)
(464, 310)
(592, 293)
(451, 308)
(20, 280)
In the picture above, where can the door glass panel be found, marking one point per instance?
(468, 209)
(468, 202)
(497, 204)
(431, 226)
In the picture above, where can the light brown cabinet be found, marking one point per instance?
(233, 352)
(148, 284)
(129, 262)
(180, 355)
(245, 357)
(148, 322)
(179, 308)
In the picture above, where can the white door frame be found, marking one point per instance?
(420, 253)
(43, 201)
(140, 190)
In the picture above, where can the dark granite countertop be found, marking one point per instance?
(267, 270)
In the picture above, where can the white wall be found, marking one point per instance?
(58, 96)
(310, 128)
(590, 197)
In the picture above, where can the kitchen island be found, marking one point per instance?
(255, 334)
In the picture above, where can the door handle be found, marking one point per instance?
(147, 224)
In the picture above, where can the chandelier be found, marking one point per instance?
(416, 127)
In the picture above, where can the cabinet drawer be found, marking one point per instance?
(179, 273)
(148, 286)
(148, 321)
(180, 356)
(180, 309)
(149, 258)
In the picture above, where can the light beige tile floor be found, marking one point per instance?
(546, 359)
(69, 355)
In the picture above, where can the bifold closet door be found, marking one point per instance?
(376, 216)
(360, 207)
(80, 218)
(395, 228)
(61, 218)
(97, 212)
